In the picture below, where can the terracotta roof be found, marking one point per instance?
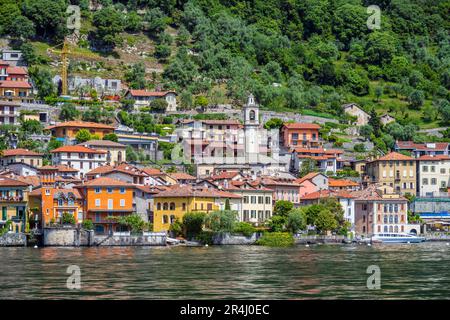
(145, 93)
(152, 171)
(439, 157)
(326, 194)
(34, 181)
(65, 168)
(318, 151)
(298, 125)
(101, 143)
(36, 192)
(437, 146)
(181, 176)
(14, 84)
(106, 182)
(75, 192)
(177, 191)
(370, 193)
(342, 183)
(128, 169)
(394, 156)
(100, 170)
(273, 182)
(7, 182)
(79, 149)
(309, 176)
(148, 189)
(81, 124)
(225, 175)
(20, 152)
(16, 70)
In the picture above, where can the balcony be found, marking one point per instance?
(12, 199)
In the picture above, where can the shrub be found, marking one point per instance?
(276, 239)
(68, 218)
(277, 223)
(88, 225)
(244, 228)
(205, 237)
(221, 221)
(193, 223)
(359, 147)
(176, 227)
(296, 220)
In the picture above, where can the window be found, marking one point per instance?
(396, 219)
(252, 115)
(165, 219)
(110, 204)
(109, 190)
(209, 206)
(260, 199)
(122, 202)
(158, 206)
(165, 206)
(267, 214)
(391, 218)
(443, 184)
(172, 206)
(60, 202)
(433, 169)
(122, 190)
(246, 199)
(70, 202)
(385, 229)
(47, 192)
(172, 218)
(98, 190)
(268, 200)
(246, 218)
(433, 181)
(184, 206)
(97, 202)
(253, 199)
(442, 170)
(253, 214)
(385, 220)
(425, 181)
(425, 168)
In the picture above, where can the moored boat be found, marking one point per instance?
(397, 238)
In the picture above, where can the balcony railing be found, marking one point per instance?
(12, 199)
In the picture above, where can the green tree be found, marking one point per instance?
(162, 51)
(221, 221)
(416, 99)
(381, 47)
(201, 101)
(296, 220)
(83, 135)
(69, 112)
(111, 137)
(158, 105)
(375, 122)
(325, 221)
(366, 131)
(68, 218)
(282, 208)
(136, 76)
(156, 20)
(307, 166)
(109, 24)
(47, 15)
(274, 123)
(32, 126)
(193, 223)
(43, 81)
(21, 28)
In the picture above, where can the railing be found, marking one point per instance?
(12, 199)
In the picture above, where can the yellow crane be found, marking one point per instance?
(64, 52)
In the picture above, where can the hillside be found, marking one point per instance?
(306, 56)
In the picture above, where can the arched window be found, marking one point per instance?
(172, 206)
(385, 219)
(252, 115)
(108, 156)
(119, 156)
(385, 229)
(391, 219)
(158, 206)
(165, 219)
(165, 206)
(184, 206)
(172, 219)
(396, 219)
(390, 229)
(396, 229)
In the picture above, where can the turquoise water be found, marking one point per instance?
(408, 271)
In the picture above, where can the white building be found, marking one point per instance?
(433, 175)
(143, 98)
(79, 157)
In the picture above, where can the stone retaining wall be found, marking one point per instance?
(67, 237)
(319, 239)
(229, 239)
(13, 240)
(149, 239)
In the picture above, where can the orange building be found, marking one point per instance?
(300, 134)
(68, 130)
(106, 197)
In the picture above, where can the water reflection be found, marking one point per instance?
(235, 272)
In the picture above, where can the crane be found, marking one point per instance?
(64, 52)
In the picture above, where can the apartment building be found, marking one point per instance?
(300, 135)
(433, 175)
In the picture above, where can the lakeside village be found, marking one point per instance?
(253, 177)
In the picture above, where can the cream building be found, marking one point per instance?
(12, 156)
(433, 175)
(395, 170)
(115, 152)
(353, 110)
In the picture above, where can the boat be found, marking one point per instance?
(397, 238)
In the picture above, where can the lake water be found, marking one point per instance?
(409, 271)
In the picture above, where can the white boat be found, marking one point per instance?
(397, 238)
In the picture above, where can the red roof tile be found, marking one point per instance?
(299, 125)
(81, 124)
(79, 149)
(20, 152)
(14, 84)
(145, 93)
(434, 157)
(394, 156)
(106, 182)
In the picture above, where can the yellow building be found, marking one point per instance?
(67, 131)
(395, 170)
(13, 203)
(175, 202)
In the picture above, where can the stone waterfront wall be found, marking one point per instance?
(67, 237)
(229, 239)
(13, 240)
(149, 239)
(319, 239)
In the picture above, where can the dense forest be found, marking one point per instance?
(292, 54)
